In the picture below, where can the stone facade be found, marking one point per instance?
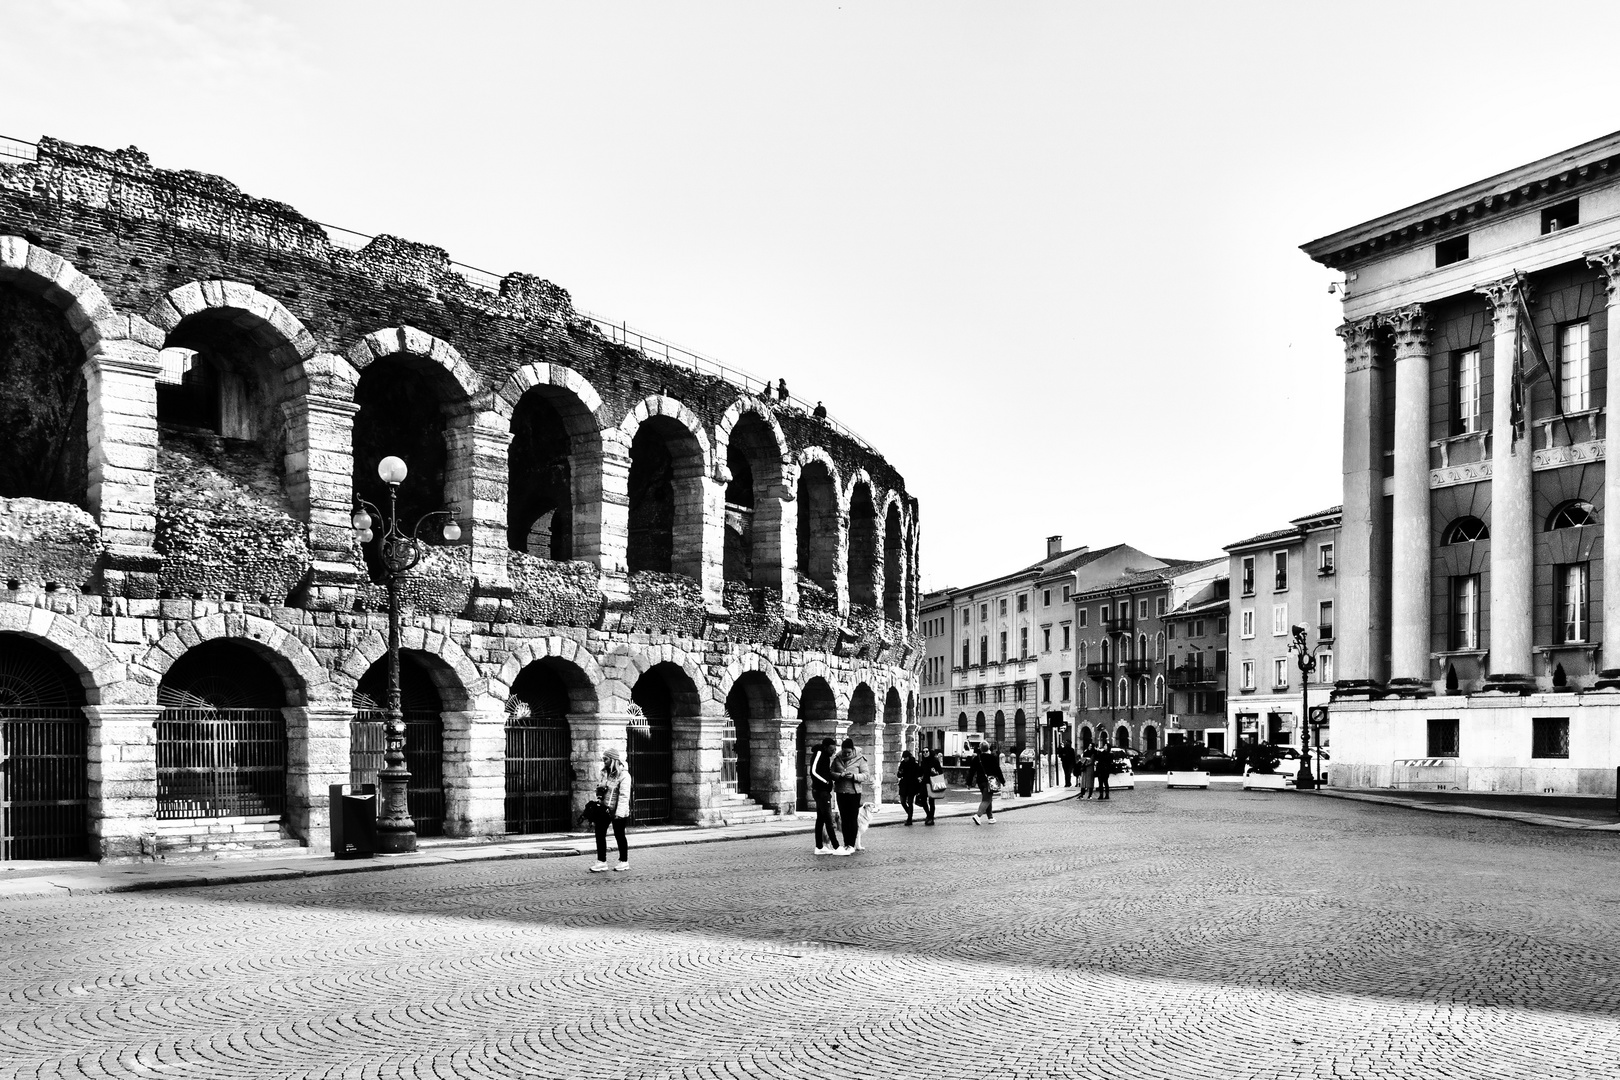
(238, 375)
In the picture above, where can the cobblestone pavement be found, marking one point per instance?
(1164, 934)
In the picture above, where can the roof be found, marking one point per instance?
(1308, 519)
(1199, 607)
(1266, 538)
(1063, 561)
(1547, 180)
(1141, 578)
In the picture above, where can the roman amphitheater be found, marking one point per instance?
(655, 554)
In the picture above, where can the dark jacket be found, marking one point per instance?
(821, 778)
(985, 766)
(1105, 762)
(907, 772)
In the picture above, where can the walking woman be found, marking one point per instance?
(987, 772)
(908, 772)
(1105, 765)
(616, 805)
(849, 777)
(821, 786)
(933, 765)
(1087, 764)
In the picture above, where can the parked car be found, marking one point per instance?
(1214, 762)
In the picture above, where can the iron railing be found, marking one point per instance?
(424, 758)
(539, 775)
(18, 149)
(44, 783)
(221, 763)
(1099, 670)
(1142, 666)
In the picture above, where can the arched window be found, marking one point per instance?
(1572, 515)
(1158, 690)
(1082, 654)
(1142, 690)
(1124, 692)
(1142, 646)
(1104, 648)
(961, 722)
(1465, 530)
(864, 564)
(1161, 644)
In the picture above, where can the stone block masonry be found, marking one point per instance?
(199, 595)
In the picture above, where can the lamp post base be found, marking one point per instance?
(395, 841)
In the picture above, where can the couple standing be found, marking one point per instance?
(842, 775)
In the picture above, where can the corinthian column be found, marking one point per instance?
(1610, 676)
(1410, 539)
(1512, 545)
(1363, 584)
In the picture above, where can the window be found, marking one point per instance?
(1003, 646)
(1220, 659)
(1442, 737)
(1046, 639)
(1247, 575)
(967, 615)
(1198, 628)
(1245, 624)
(1246, 678)
(1572, 581)
(1046, 598)
(1575, 367)
(1065, 594)
(984, 613)
(984, 649)
(1279, 673)
(1065, 635)
(1162, 606)
(1561, 216)
(1046, 688)
(1324, 667)
(1083, 651)
(1324, 620)
(1083, 613)
(1549, 737)
(1023, 601)
(1324, 559)
(1465, 392)
(1465, 530)
(1160, 646)
(978, 696)
(1141, 609)
(1220, 626)
(1465, 612)
(1451, 251)
(1170, 630)
(1279, 620)
(966, 662)
(1065, 685)
(1002, 611)
(1280, 558)
(1571, 515)
(1023, 643)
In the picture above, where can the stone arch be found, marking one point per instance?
(554, 463)
(819, 506)
(556, 647)
(751, 661)
(262, 317)
(455, 676)
(671, 463)
(891, 519)
(409, 341)
(102, 675)
(747, 406)
(63, 286)
(551, 757)
(303, 677)
(624, 665)
(865, 562)
(752, 460)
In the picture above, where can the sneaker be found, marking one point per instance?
(599, 868)
(989, 821)
(826, 851)
(846, 851)
(930, 821)
(621, 867)
(976, 820)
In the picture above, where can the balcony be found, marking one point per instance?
(1103, 670)
(1192, 677)
(1118, 626)
(1139, 667)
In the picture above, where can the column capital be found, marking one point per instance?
(1360, 342)
(1504, 295)
(1410, 325)
(1607, 260)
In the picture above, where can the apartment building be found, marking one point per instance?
(1195, 666)
(934, 685)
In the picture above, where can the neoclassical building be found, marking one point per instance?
(199, 384)
(1472, 609)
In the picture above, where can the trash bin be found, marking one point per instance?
(354, 821)
(1026, 779)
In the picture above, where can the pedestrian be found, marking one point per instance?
(821, 788)
(1088, 771)
(821, 411)
(1066, 758)
(986, 772)
(907, 773)
(849, 778)
(781, 390)
(929, 789)
(615, 799)
(1105, 766)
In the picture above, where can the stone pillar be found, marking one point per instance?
(695, 783)
(475, 486)
(474, 772)
(1363, 585)
(122, 751)
(592, 735)
(317, 758)
(711, 534)
(1410, 539)
(776, 767)
(841, 560)
(320, 478)
(609, 547)
(894, 741)
(776, 544)
(121, 396)
(1609, 679)
(1512, 537)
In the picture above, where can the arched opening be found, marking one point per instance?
(863, 727)
(1001, 727)
(1575, 514)
(961, 722)
(406, 405)
(863, 547)
(44, 764)
(753, 554)
(554, 440)
(420, 701)
(818, 527)
(1122, 737)
(661, 694)
(978, 723)
(893, 742)
(539, 744)
(1465, 530)
(893, 560)
(751, 699)
(216, 375)
(44, 409)
(1020, 729)
(911, 571)
(1085, 737)
(666, 499)
(1150, 739)
(819, 706)
(221, 737)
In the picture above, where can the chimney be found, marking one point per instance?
(1054, 544)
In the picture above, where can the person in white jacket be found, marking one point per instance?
(616, 778)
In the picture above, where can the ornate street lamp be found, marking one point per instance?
(1307, 665)
(398, 552)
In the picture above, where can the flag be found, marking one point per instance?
(1536, 364)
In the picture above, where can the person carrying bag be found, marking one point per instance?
(987, 771)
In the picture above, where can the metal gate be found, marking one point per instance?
(424, 757)
(220, 763)
(652, 768)
(44, 784)
(801, 751)
(539, 774)
(728, 754)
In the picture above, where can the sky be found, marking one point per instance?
(1044, 256)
